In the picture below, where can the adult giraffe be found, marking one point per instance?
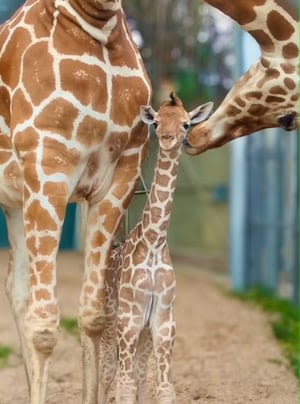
(71, 84)
(266, 96)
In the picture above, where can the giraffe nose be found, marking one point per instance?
(287, 122)
(167, 136)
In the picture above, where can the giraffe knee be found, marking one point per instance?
(92, 322)
(45, 340)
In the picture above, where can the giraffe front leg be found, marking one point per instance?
(92, 310)
(17, 283)
(43, 218)
(102, 224)
(163, 334)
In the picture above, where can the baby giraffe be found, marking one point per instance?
(141, 281)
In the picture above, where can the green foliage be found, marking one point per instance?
(284, 321)
(70, 325)
(5, 352)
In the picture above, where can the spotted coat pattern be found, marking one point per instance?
(71, 83)
(266, 96)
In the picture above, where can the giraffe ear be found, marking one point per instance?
(200, 113)
(147, 114)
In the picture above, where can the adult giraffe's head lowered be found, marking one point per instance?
(266, 96)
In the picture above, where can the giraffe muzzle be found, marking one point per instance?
(288, 122)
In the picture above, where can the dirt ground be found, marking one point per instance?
(224, 350)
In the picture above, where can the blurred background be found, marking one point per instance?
(235, 209)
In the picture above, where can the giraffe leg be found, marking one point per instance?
(144, 350)
(17, 283)
(102, 224)
(109, 365)
(163, 333)
(127, 341)
(44, 211)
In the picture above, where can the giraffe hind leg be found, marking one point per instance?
(17, 288)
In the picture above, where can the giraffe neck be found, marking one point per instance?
(97, 18)
(271, 25)
(156, 214)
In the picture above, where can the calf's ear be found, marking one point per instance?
(201, 113)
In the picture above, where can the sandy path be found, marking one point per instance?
(224, 350)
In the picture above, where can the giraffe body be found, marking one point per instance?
(71, 84)
(141, 281)
(266, 96)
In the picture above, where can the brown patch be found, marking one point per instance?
(42, 294)
(39, 218)
(232, 110)
(120, 190)
(26, 140)
(86, 82)
(31, 177)
(94, 277)
(278, 90)
(98, 239)
(31, 245)
(257, 109)
(162, 195)
(263, 39)
(57, 158)
(137, 259)
(276, 20)
(47, 245)
(128, 93)
(5, 105)
(5, 142)
(288, 68)
(265, 63)
(21, 109)
(253, 95)
(4, 156)
(91, 131)
(126, 294)
(162, 180)
(274, 99)
(105, 207)
(239, 101)
(38, 74)
(295, 97)
(11, 57)
(289, 83)
(290, 51)
(272, 74)
(45, 270)
(93, 258)
(111, 220)
(151, 234)
(13, 175)
(57, 117)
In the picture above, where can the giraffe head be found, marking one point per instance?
(172, 121)
(266, 96)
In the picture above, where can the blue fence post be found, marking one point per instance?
(247, 53)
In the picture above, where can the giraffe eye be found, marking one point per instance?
(186, 125)
(155, 124)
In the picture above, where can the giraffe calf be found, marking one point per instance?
(140, 285)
